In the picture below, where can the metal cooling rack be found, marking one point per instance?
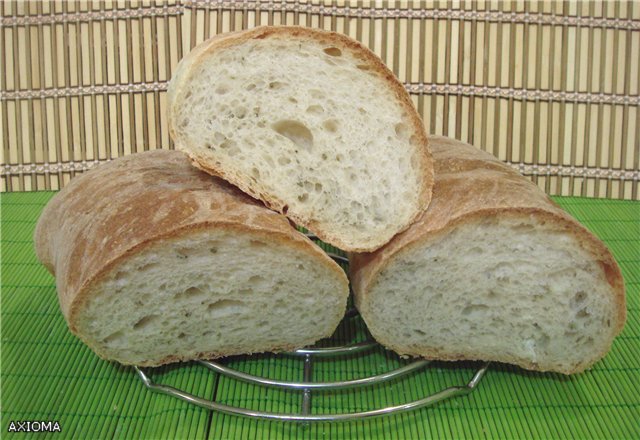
(308, 386)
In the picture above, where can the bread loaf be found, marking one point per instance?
(156, 262)
(494, 270)
(310, 122)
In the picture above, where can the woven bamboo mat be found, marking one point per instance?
(47, 374)
(550, 87)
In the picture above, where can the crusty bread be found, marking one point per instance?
(310, 122)
(494, 270)
(156, 262)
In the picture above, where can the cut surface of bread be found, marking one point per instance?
(310, 122)
(494, 271)
(157, 262)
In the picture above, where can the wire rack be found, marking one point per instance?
(307, 387)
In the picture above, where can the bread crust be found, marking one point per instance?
(118, 209)
(470, 186)
(222, 41)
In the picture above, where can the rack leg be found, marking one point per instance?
(306, 394)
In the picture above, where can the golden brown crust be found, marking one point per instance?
(472, 185)
(359, 51)
(119, 208)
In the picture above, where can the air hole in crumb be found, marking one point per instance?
(402, 130)
(183, 253)
(213, 250)
(583, 313)
(255, 279)
(324, 156)
(144, 322)
(226, 306)
(182, 336)
(113, 337)
(473, 308)
(318, 187)
(222, 89)
(284, 160)
(255, 172)
(315, 109)
(191, 292)
(276, 85)
(296, 132)
(419, 332)
(285, 209)
(301, 266)
(149, 265)
(250, 87)
(293, 100)
(257, 243)
(578, 299)
(120, 275)
(522, 227)
(363, 67)
(333, 51)
(227, 144)
(331, 125)
(303, 197)
(240, 112)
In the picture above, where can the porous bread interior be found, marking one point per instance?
(510, 289)
(311, 124)
(211, 292)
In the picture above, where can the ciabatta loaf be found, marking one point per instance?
(494, 270)
(310, 122)
(156, 262)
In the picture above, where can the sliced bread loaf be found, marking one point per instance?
(494, 270)
(156, 262)
(310, 122)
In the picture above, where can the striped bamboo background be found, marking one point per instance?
(550, 87)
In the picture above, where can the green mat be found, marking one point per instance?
(47, 374)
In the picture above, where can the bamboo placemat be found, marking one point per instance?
(47, 374)
(550, 87)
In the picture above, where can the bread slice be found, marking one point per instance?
(310, 122)
(495, 271)
(156, 262)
